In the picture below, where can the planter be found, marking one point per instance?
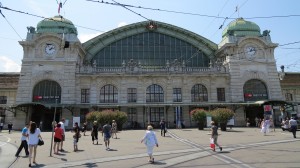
(223, 126)
(200, 126)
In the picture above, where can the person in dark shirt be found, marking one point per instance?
(9, 126)
(214, 135)
(162, 127)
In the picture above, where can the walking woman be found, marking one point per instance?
(58, 135)
(94, 132)
(114, 129)
(34, 134)
(150, 141)
(214, 135)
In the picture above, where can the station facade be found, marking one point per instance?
(151, 70)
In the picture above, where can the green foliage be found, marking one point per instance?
(222, 115)
(107, 116)
(198, 115)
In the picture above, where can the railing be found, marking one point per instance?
(145, 70)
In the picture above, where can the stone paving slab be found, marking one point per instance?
(187, 147)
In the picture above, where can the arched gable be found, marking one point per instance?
(96, 44)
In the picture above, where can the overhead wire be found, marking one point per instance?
(131, 10)
(10, 23)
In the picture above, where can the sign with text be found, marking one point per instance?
(268, 109)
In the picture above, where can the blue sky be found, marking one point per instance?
(103, 17)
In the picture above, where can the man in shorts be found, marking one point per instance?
(62, 126)
(107, 134)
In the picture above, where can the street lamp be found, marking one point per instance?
(53, 126)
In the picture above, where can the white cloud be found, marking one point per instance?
(8, 65)
(122, 24)
(85, 37)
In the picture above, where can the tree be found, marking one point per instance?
(199, 115)
(222, 115)
(106, 116)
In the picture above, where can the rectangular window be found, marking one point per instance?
(221, 94)
(83, 113)
(289, 97)
(131, 95)
(131, 115)
(85, 95)
(156, 114)
(3, 99)
(177, 96)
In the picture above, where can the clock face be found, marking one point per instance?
(250, 52)
(50, 49)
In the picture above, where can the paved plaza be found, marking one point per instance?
(242, 147)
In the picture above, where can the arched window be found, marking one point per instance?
(46, 91)
(150, 49)
(255, 90)
(155, 93)
(108, 94)
(199, 93)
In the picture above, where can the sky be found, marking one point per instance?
(203, 17)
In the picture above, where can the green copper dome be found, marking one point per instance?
(241, 27)
(56, 24)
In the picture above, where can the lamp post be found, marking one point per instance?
(53, 126)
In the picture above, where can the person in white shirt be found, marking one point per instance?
(62, 126)
(33, 134)
(150, 141)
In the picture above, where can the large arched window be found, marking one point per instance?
(199, 93)
(46, 91)
(108, 94)
(255, 90)
(154, 93)
(150, 49)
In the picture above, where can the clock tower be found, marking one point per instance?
(51, 53)
(249, 58)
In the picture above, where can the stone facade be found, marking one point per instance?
(54, 56)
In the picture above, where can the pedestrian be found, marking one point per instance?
(248, 122)
(9, 126)
(256, 121)
(162, 127)
(62, 126)
(94, 132)
(285, 125)
(84, 128)
(214, 135)
(106, 130)
(150, 141)
(24, 143)
(58, 134)
(33, 134)
(76, 136)
(1, 126)
(293, 126)
(265, 124)
(114, 129)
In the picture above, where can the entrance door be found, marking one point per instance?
(252, 112)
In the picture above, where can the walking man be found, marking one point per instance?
(1, 126)
(107, 134)
(293, 126)
(23, 141)
(162, 127)
(9, 126)
(62, 126)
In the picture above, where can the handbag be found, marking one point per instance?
(212, 144)
(41, 142)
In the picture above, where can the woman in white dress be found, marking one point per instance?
(150, 141)
(265, 125)
(34, 134)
